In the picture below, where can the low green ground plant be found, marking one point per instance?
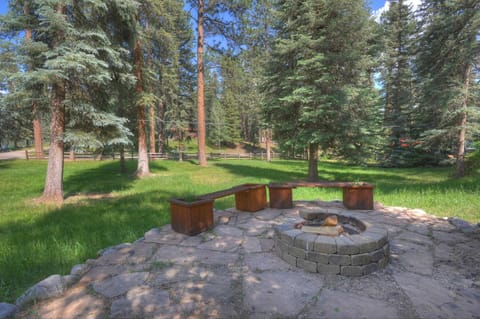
(104, 207)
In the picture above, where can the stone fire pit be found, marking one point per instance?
(360, 248)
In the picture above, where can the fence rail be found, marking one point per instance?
(31, 155)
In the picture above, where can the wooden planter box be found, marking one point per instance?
(280, 196)
(191, 218)
(358, 196)
(252, 199)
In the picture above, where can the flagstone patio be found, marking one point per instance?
(232, 271)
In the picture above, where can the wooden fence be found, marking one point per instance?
(31, 155)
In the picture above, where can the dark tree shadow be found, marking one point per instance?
(105, 178)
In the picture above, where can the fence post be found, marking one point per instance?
(26, 155)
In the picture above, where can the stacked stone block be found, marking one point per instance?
(347, 255)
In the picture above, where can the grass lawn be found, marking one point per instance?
(37, 241)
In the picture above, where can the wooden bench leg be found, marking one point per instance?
(358, 197)
(251, 200)
(191, 218)
(280, 196)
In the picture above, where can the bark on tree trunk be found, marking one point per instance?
(313, 162)
(53, 191)
(37, 132)
(143, 168)
(267, 143)
(202, 156)
(123, 168)
(72, 153)
(460, 169)
(161, 137)
(152, 129)
(37, 124)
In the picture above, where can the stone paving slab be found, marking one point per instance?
(232, 271)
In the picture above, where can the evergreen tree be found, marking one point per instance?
(233, 99)
(68, 56)
(214, 17)
(319, 86)
(448, 49)
(216, 113)
(27, 95)
(399, 27)
(259, 36)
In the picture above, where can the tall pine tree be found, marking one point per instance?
(399, 27)
(448, 49)
(319, 85)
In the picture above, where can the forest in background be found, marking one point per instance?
(317, 77)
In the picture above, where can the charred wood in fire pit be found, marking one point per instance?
(331, 220)
(324, 230)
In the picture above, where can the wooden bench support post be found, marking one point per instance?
(252, 199)
(358, 197)
(280, 196)
(191, 218)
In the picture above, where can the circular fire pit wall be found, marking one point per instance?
(355, 253)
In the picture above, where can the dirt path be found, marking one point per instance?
(12, 155)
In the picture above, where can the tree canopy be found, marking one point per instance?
(324, 76)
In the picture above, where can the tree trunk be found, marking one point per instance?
(37, 132)
(72, 153)
(152, 129)
(143, 168)
(460, 170)
(267, 143)
(202, 156)
(161, 137)
(37, 124)
(152, 107)
(123, 168)
(180, 151)
(53, 191)
(313, 162)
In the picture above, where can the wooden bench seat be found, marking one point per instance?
(193, 217)
(248, 197)
(356, 195)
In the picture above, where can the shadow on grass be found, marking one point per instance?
(386, 180)
(107, 177)
(262, 172)
(70, 235)
(5, 164)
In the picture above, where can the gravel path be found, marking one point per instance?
(233, 272)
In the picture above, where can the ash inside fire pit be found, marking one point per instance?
(329, 224)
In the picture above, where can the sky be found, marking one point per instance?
(3, 6)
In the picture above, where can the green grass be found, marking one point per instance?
(37, 241)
